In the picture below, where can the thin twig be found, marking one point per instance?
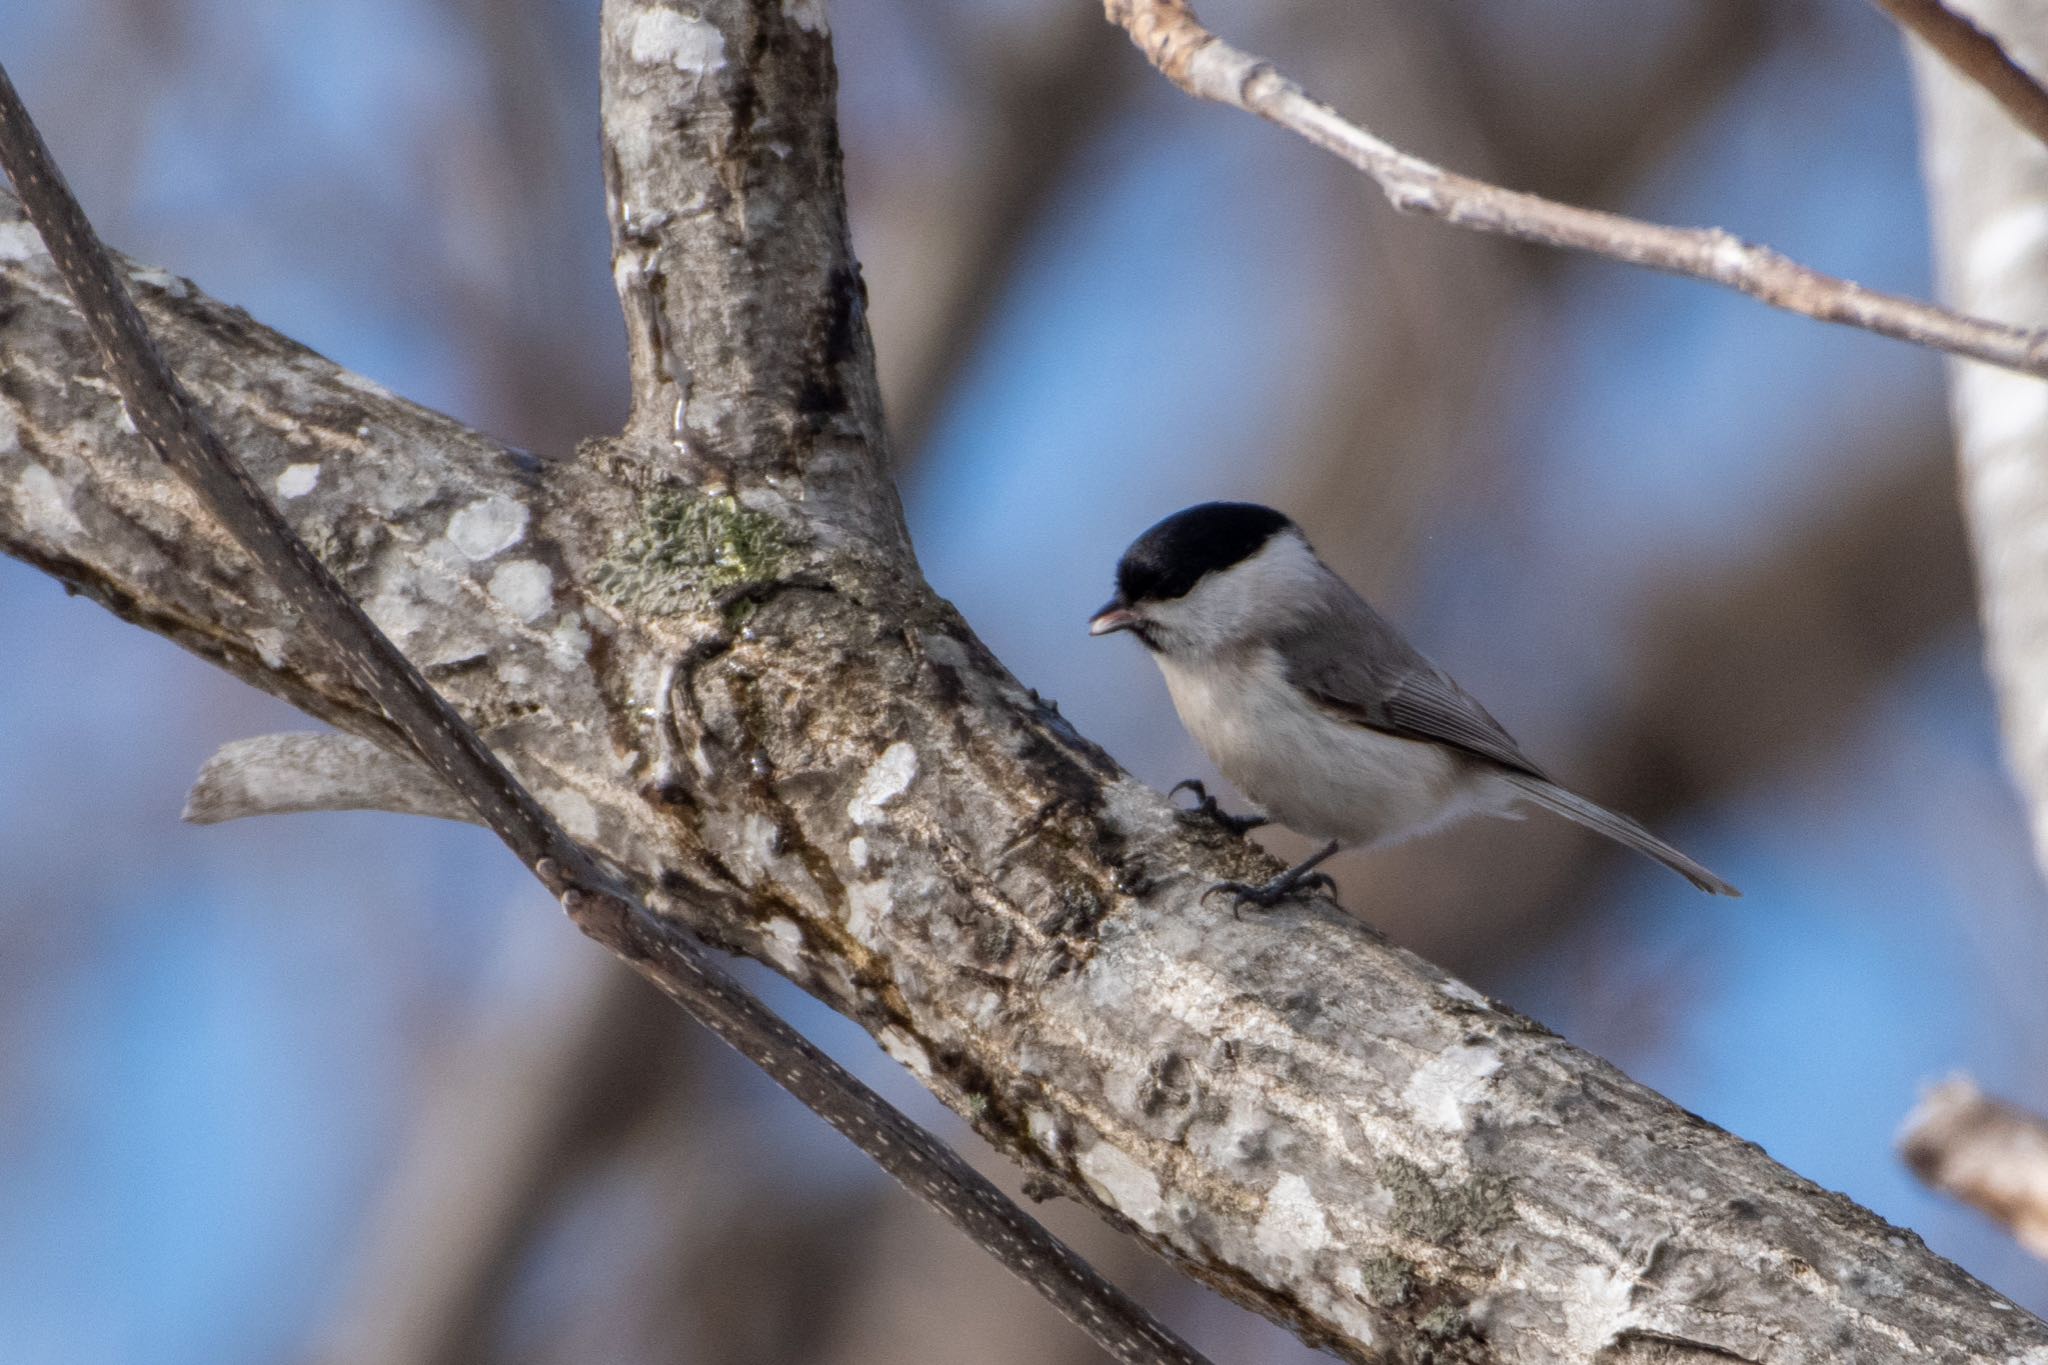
(165, 413)
(1202, 64)
(1977, 56)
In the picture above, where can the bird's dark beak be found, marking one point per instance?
(1113, 617)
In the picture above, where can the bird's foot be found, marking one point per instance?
(1266, 895)
(1206, 807)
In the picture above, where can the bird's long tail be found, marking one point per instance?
(1619, 828)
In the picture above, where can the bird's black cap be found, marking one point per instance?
(1173, 556)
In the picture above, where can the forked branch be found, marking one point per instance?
(181, 435)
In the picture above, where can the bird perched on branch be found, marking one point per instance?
(1313, 703)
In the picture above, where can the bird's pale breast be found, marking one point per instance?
(1313, 772)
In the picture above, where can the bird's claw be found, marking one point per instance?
(1266, 895)
(1206, 807)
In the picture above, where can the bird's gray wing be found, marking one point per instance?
(1353, 662)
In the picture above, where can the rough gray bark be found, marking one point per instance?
(1987, 181)
(707, 648)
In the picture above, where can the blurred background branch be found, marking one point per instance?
(510, 1116)
(1202, 64)
(1977, 56)
(1036, 92)
(1989, 1154)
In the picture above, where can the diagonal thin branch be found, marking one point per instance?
(1977, 55)
(165, 413)
(1205, 66)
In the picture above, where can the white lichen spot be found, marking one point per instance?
(440, 573)
(569, 642)
(1044, 1130)
(808, 15)
(761, 838)
(906, 1050)
(10, 432)
(269, 643)
(515, 674)
(2013, 238)
(627, 267)
(524, 587)
(44, 505)
(664, 37)
(866, 904)
(1124, 1184)
(1608, 1298)
(887, 778)
(487, 526)
(1350, 1311)
(163, 280)
(857, 851)
(1244, 1135)
(398, 614)
(1465, 995)
(783, 943)
(1293, 1227)
(361, 384)
(575, 811)
(297, 480)
(1443, 1090)
(19, 240)
(944, 650)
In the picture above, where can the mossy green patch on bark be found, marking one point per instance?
(689, 547)
(1445, 1210)
(1389, 1279)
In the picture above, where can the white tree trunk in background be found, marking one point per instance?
(1987, 182)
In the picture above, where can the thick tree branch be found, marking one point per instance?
(782, 738)
(1989, 1154)
(1977, 56)
(180, 434)
(1205, 66)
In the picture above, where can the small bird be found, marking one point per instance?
(1315, 706)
